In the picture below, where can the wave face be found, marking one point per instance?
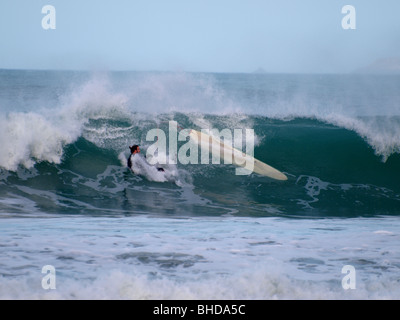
(337, 138)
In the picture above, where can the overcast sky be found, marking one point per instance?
(199, 35)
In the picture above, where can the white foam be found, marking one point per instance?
(28, 136)
(199, 258)
(42, 135)
(141, 167)
(248, 285)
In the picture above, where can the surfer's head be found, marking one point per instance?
(135, 148)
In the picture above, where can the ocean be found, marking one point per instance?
(76, 223)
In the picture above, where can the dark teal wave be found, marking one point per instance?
(310, 147)
(333, 172)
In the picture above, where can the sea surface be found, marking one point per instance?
(199, 230)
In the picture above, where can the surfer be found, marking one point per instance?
(135, 149)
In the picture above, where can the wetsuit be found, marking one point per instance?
(130, 162)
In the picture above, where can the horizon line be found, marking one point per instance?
(354, 72)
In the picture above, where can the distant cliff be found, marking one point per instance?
(382, 66)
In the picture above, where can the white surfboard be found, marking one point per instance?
(239, 158)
